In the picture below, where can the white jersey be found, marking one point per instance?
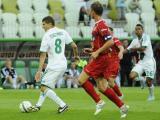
(143, 42)
(53, 43)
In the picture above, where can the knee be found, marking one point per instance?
(80, 81)
(43, 88)
(101, 88)
(149, 82)
(83, 77)
(111, 83)
(132, 76)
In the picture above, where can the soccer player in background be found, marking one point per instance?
(113, 66)
(102, 41)
(53, 44)
(111, 72)
(142, 44)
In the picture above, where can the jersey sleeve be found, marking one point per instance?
(44, 44)
(68, 38)
(104, 31)
(146, 41)
(117, 42)
(132, 45)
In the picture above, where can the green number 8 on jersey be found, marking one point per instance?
(58, 48)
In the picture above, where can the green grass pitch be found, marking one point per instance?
(81, 106)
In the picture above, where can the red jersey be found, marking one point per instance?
(114, 50)
(100, 34)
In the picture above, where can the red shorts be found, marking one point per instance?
(112, 69)
(96, 68)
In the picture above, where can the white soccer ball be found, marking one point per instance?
(24, 106)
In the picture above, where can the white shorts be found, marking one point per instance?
(149, 67)
(50, 77)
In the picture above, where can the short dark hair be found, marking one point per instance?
(48, 19)
(140, 25)
(97, 8)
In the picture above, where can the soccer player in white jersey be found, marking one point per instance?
(53, 44)
(142, 44)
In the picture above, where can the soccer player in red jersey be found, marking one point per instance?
(114, 64)
(102, 41)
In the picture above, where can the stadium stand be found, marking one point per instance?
(86, 31)
(157, 4)
(39, 32)
(149, 24)
(56, 10)
(25, 6)
(25, 19)
(9, 19)
(132, 19)
(71, 19)
(9, 32)
(73, 31)
(20, 68)
(26, 32)
(33, 66)
(40, 6)
(9, 6)
(30, 13)
(38, 17)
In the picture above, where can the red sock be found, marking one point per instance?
(113, 97)
(117, 90)
(89, 88)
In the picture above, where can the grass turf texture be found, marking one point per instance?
(81, 106)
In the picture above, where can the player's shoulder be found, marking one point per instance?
(146, 36)
(60, 30)
(135, 39)
(115, 39)
(102, 23)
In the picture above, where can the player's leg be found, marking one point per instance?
(136, 71)
(150, 69)
(48, 80)
(149, 82)
(109, 93)
(133, 75)
(110, 74)
(88, 86)
(94, 69)
(114, 86)
(142, 81)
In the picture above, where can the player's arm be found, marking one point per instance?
(140, 49)
(41, 63)
(41, 60)
(121, 50)
(119, 45)
(106, 34)
(88, 50)
(43, 53)
(75, 50)
(107, 45)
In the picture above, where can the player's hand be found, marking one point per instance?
(94, 55)
(76, 57)
(38, 76)
(120, 55)
(87, 50)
